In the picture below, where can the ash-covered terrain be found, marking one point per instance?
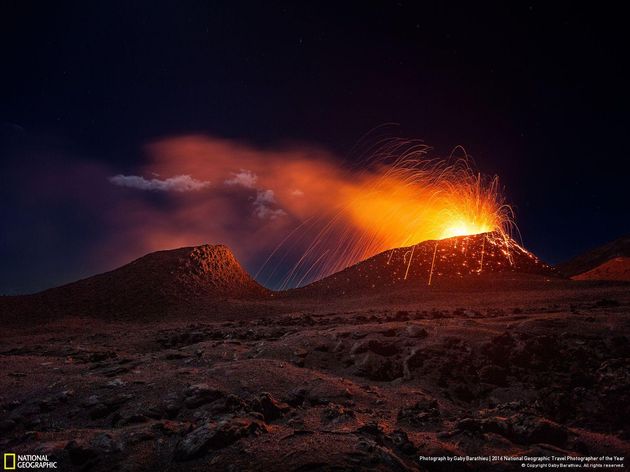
(497, 363)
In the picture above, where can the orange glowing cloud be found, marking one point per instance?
(297, 208)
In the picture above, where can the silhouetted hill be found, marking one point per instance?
(596, 257)
(614, 269)
(190, 278)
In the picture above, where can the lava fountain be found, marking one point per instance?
(401, 197)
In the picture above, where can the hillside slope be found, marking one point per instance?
(596, 257)
(190, 278)
(431, 262)
(614, 269)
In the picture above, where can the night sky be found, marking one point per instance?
(536, 93)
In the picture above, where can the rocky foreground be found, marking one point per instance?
(349, 389)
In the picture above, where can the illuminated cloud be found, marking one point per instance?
(177, 183)
(265, 199)
(262, 205)
(244, 178)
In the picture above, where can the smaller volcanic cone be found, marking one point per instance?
(183, 274)
(614, 269)
(189, 280)
(429, 262)
(608, 262)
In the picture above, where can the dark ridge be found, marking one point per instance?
(595, 257)
(208, 280)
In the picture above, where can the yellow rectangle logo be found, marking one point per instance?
(9, 461)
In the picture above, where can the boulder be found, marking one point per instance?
(216, 436)
(377, 367)
(200, 394)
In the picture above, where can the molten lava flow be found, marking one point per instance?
(403, 199)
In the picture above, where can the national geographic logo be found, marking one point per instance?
(27, 461)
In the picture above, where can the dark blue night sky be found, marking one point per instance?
(536, 93)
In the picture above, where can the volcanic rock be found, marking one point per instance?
(378, 347)
(499, 349)
(80, 453)
(401, 443)
(493, 374)
(528, 430)
(415, 331)
(270, 408)
(377, 367)
(335, 413)
(419, 413)
(521, 429)
(216, 436)
(200, 394)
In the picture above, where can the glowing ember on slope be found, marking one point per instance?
(403, 198)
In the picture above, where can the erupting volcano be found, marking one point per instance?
(432, 262)
(403, 199)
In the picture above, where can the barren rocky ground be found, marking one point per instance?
(365, 382)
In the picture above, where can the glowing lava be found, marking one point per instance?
(463, 228)
(407, 205)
